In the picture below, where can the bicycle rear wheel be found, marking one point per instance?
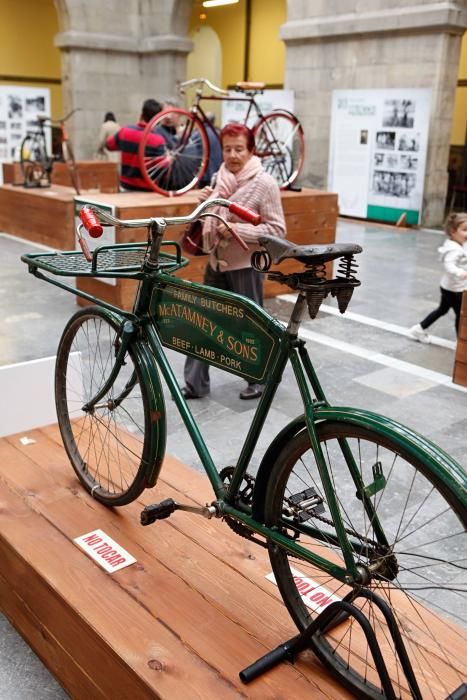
(34, 161)
(113, 447)
(69, 158)
(280, 144)
(420, 573)
(186, 156)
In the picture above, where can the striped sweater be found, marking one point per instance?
(127, 140)
(261, 194)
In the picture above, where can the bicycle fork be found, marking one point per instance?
(124, 339)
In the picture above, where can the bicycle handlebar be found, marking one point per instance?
(201, 81)
(93, 220)
(42, 118)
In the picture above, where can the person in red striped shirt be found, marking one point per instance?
(127, 140)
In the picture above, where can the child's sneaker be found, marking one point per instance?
(417, 333)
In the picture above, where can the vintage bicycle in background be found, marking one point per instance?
(36, 161)
(345, 498)
(279, 140)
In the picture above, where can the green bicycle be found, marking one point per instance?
(364, 520)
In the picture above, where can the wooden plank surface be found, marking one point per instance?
(180, 623)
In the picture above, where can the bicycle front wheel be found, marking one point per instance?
(180, 165)
(280, 144)
(420, 572)
(112, 446)
(33, 158)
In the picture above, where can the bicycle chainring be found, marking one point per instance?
(243, 497)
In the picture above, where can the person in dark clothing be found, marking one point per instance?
(127, 140)
(215, 150)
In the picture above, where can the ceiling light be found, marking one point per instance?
(215, 3)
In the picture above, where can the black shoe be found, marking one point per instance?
(188, 394)
(253, 391)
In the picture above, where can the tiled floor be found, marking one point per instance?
(364, 359)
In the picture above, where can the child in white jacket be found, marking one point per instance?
(453, 254)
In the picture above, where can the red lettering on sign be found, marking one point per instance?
(92, 539)
(120, 560)
(109, 555)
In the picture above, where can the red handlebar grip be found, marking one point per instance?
(91, 222)
(245, 214)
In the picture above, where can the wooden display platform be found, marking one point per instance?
(43, 214)
(310, 215)
(180, 623)
(460, 362)
(101, 175)
(46, 215)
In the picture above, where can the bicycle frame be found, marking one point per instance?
(197, 109)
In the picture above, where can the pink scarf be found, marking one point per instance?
(227, 184)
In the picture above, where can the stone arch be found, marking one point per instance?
(116, 55)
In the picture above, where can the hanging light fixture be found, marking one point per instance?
(215, 3)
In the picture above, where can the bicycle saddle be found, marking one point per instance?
(280, 249)
(244, 85)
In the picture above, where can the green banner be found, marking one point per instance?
(225, 330)
(392, 215)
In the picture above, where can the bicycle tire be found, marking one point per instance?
(69, 159)
(33, 161)
(113, 449)
(435, 645)
(186, 156)
(280, 144)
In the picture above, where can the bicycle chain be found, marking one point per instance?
(243, 531)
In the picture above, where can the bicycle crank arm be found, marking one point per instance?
(162, 510)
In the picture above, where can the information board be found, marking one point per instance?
(378, 149)
(19, 107)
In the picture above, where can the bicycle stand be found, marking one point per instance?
(332, 616)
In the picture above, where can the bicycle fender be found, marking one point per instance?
(269, 457)
(444, 467)
(157, 412)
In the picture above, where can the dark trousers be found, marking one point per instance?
(247, 282)
(449, 300)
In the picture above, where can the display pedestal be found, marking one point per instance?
(46, 215)
(102, 175)
(40, 214)
(460, 362)
(182, 622)
(310, 216)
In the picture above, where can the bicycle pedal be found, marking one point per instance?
(157, 511)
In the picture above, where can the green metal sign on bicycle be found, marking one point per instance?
(224, 330)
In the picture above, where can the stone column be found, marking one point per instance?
(116, 55)
(372, 45)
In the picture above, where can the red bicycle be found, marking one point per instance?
(279, 140)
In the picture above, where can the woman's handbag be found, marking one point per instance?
(192, 239)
